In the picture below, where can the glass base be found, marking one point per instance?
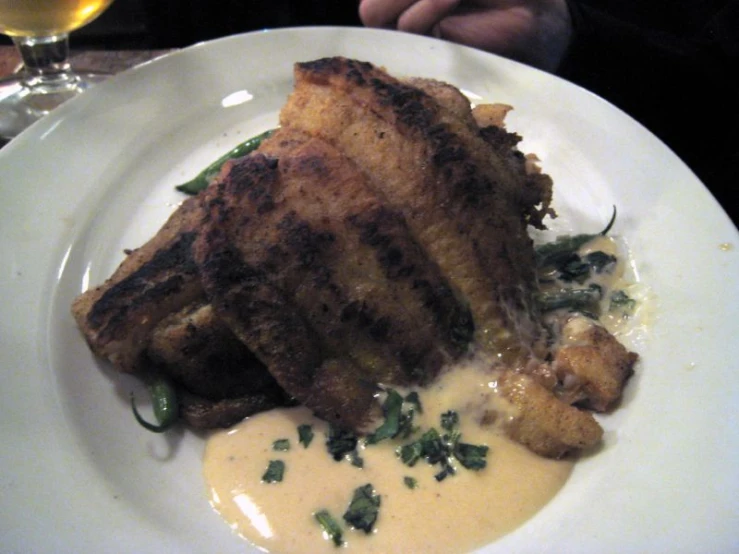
(21, 106)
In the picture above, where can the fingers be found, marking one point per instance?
(413, 16)
(536, 38)
(382, 13)
(422, 16)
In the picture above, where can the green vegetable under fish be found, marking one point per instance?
(553, 253)
(164, 405)
(203, 178)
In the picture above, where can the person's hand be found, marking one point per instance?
(536, 32)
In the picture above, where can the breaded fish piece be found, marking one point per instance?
(200, 352)
(467, 206)
(299, 224)
(202, 413)
(388, 280)
(151, 317)
(596, 364)
(448, 96)
(152, 282)
(545, 424)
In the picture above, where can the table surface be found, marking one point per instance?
(110, 61)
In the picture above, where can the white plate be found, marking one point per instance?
(78, 475)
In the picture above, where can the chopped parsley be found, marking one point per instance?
(579, 269)
(600, 261)
(580, 299)
(449, 420)
(446, 470)
(398, 413)
(305, 434)
(441, 447)
(411, 453)
(355, 459)
(622, 301)
(341, 443)
(363, 508)
(414, 400)
(471, 456)
(391, 409)
(275, 472)
(331, 529)
(555, 253)
(441, 450)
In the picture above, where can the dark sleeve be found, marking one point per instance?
(676, 75)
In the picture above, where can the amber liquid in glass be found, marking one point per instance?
(36, 18)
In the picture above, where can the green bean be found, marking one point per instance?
(575, 299)
(164, 405)
(554, 253)
(203, 178)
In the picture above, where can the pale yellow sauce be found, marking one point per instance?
(459, 514)
(456, 515)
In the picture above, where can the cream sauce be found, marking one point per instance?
(629, 323)
(458, 514)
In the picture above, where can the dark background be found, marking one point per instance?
(153, 24)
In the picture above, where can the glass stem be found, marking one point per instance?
(46, 63)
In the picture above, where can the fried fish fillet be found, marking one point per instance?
(220, 380)
(152, 317)
(152, 282)
(545, 424)
(323, 281)
(466, 204)
(595, 363)
(376, 237)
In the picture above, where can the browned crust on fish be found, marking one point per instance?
(466, 205)
(304, 226)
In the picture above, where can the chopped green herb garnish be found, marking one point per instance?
(411, 453)
(410, 482)
(622, 301)
(391, 409)
(432, 447)
(441, 450)
(305, 434)
(355, 459)
(574, 269)
(415, 400)
(429, 446)
(281, 445)
(398, 417)
(471, 456)
(553, 253)
(363, 509)
(340, 442)
(600, 261)
(275, 472)
(331, 528)
(449, 420)
(446, 471)
(573, 299)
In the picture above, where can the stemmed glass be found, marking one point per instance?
(39, 29)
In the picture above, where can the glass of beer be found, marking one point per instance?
(39, 29)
